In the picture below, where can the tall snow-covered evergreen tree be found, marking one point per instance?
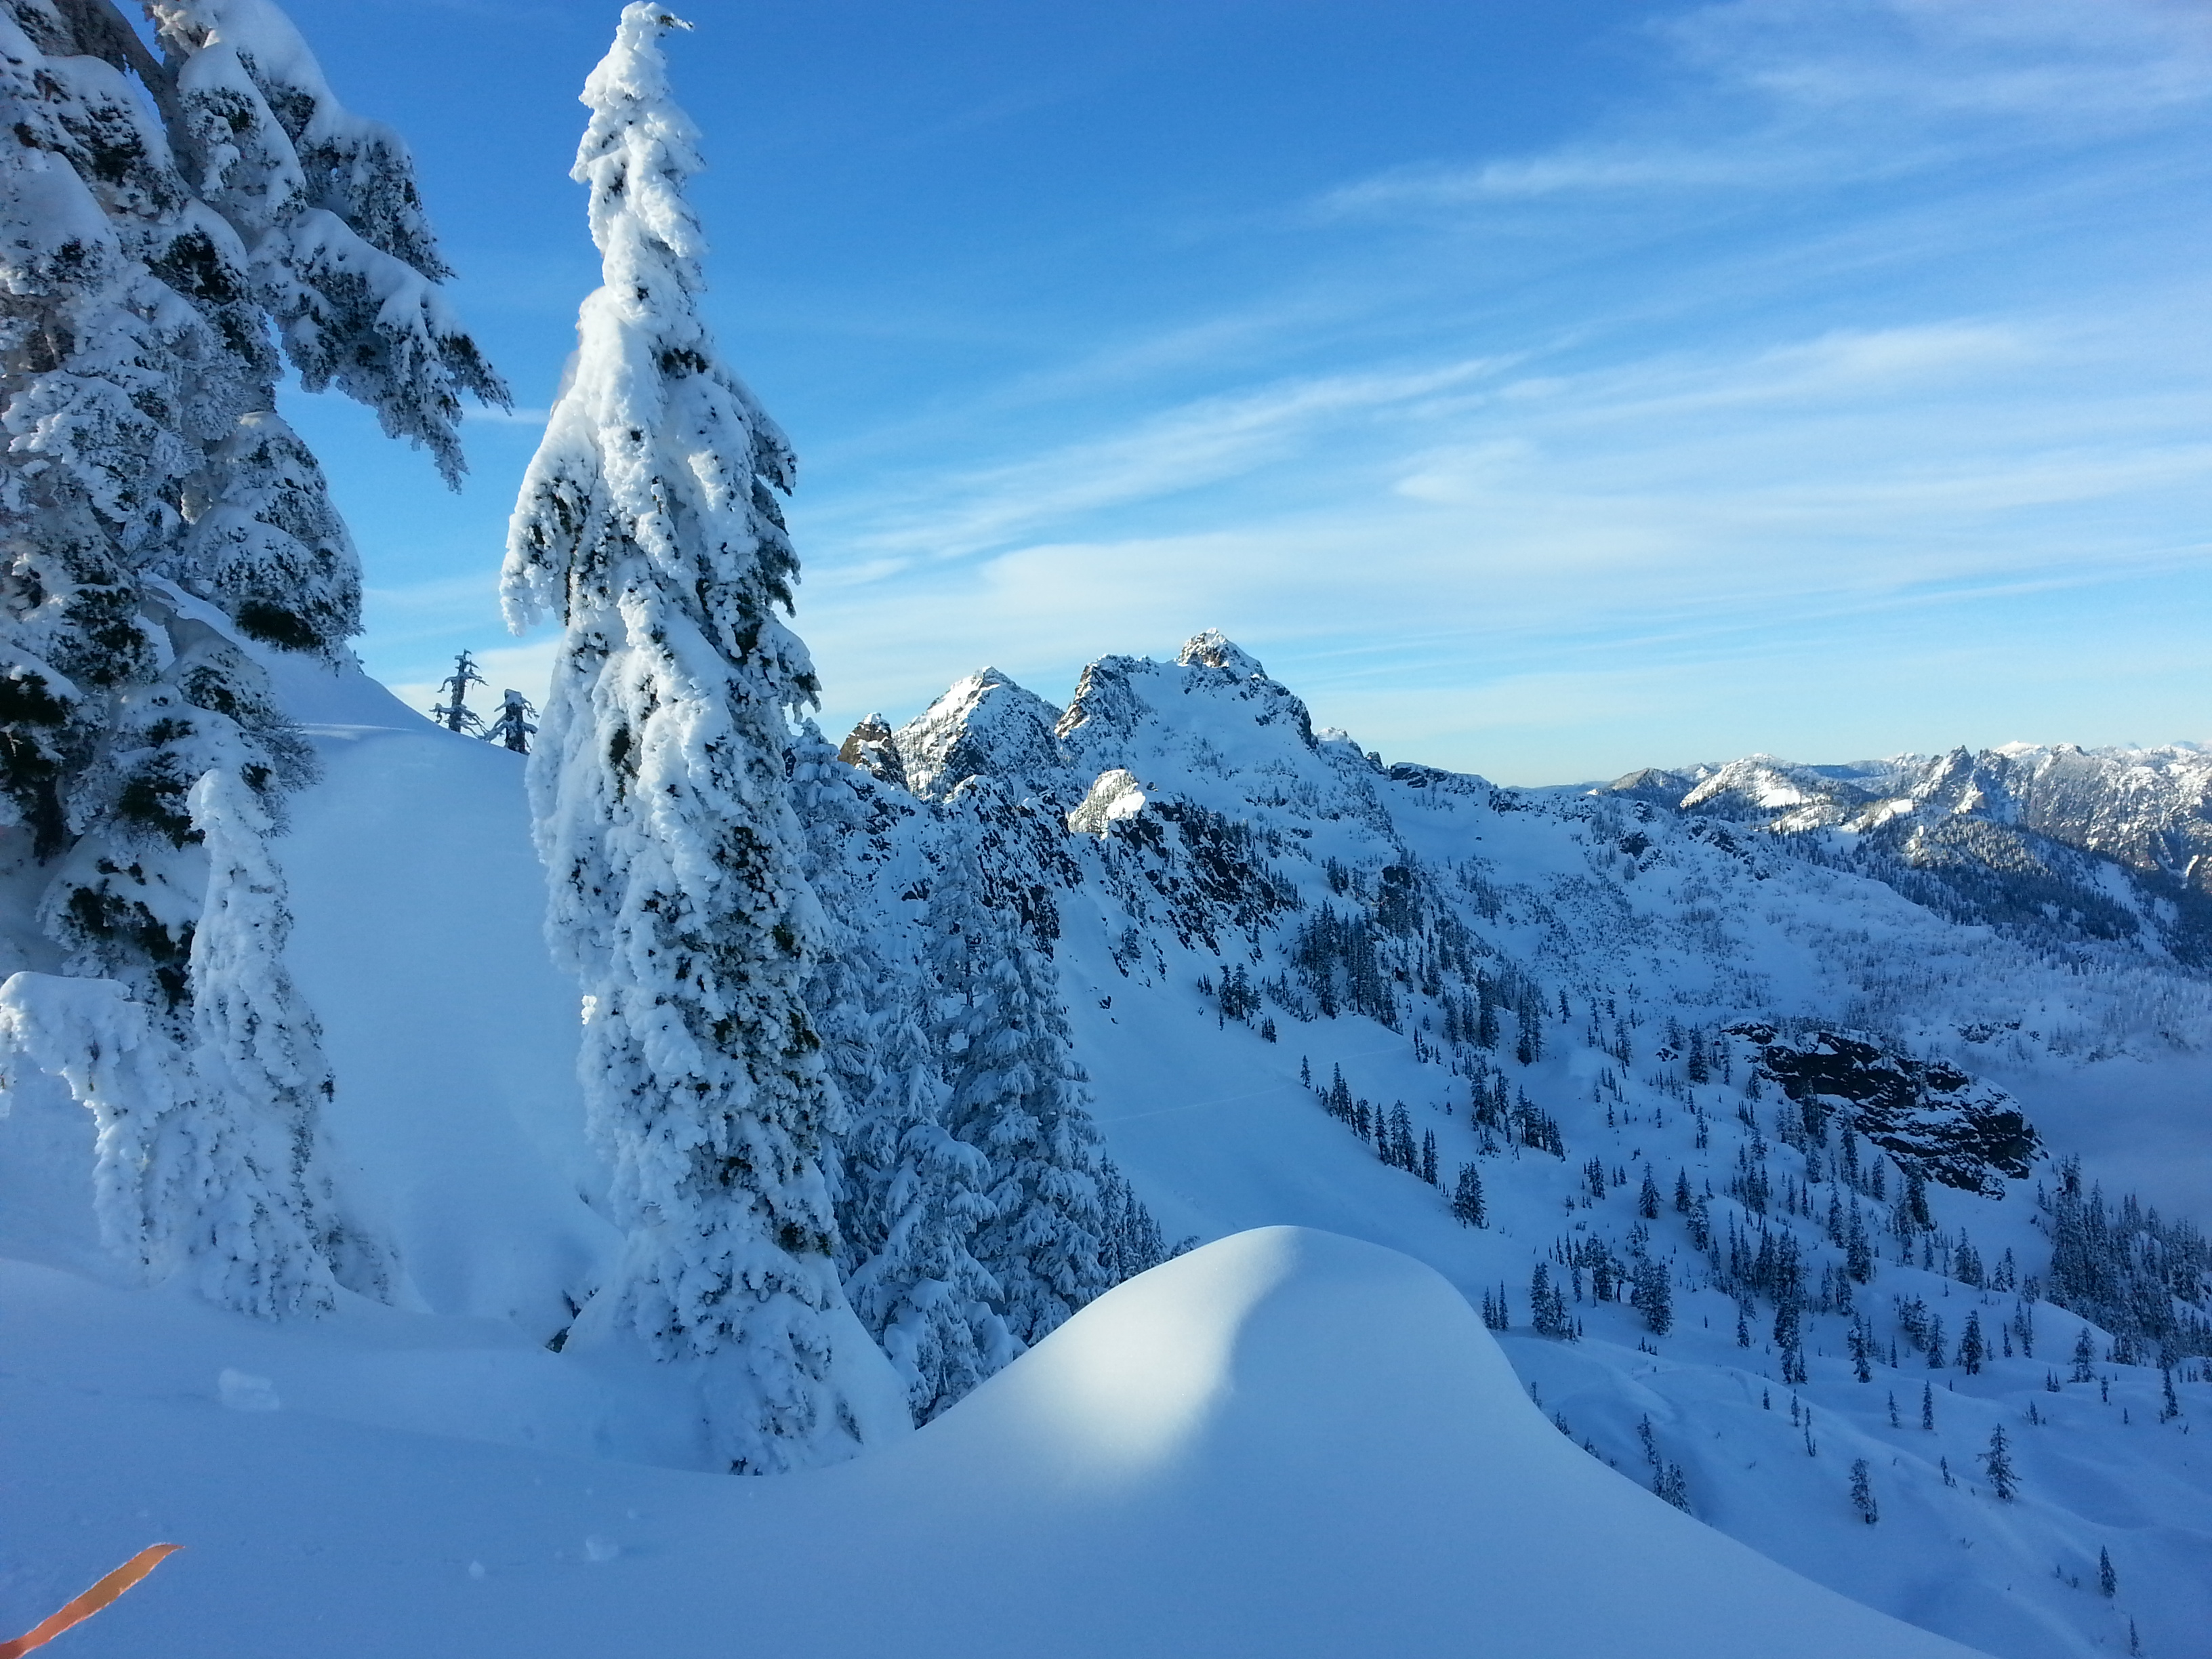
(909, 1196)
(264, 1234)
(647, 525)
(165, 225)
(1015, 1098)
(207, 1158)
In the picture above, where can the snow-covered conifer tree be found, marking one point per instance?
(1467, 1205)
(253, 1211)
(157, 217)
(207, 1160)
(455, 714)
(2004, 1479)
(120, 1067)
(909, 1196)
(1014, 1097)
(149, 236)
(1863, 1497)
(513, 728)
(659, 788)
(1653, 1294)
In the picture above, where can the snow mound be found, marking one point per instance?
(1235, 1452)
(1288, 1443)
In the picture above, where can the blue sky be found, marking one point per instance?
(1539, 387)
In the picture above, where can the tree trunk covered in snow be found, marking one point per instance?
(660, 785)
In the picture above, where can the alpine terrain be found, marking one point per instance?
(1141, 1174)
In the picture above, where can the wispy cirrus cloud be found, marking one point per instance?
(1788, 92)
(2077, 63)
(1205, 442)
(1596, 171)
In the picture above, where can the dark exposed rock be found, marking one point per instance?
(1926, 1114)
(869, 746)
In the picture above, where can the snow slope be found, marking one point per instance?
(418, 897)
(1231, 825)
(1288, 1443)
(412, 1441)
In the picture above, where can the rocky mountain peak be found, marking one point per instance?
(984, 725)
(869, 746)
(1212, 648)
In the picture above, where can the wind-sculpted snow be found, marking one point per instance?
(1288, 1444)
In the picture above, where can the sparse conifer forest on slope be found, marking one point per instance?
(1133, 1176)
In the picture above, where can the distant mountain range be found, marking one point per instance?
(2054, 842)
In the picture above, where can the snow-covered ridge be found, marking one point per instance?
(2074, 845)
(1677, 1001)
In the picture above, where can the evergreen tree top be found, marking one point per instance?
(656, 450)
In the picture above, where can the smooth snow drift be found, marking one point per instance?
(1287, 1443)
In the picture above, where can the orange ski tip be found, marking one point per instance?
(92, 1600)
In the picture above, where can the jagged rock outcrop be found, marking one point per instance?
(985, 726)
(869, 746)
(1115, 798)
(1928, 1114)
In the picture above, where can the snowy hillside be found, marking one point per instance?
(1228, 1457)
(1137, 1177)
(1240, 904)
(1179, 836)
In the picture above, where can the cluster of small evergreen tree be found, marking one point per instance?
(1549, 1311)
(512, 728)
(1335, 956)
(1499, 1108)
(1640, 1277)
(2145, 1281)
(1390, 1131)
(1667, 1481)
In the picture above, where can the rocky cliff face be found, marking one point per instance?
(1928, 1114)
